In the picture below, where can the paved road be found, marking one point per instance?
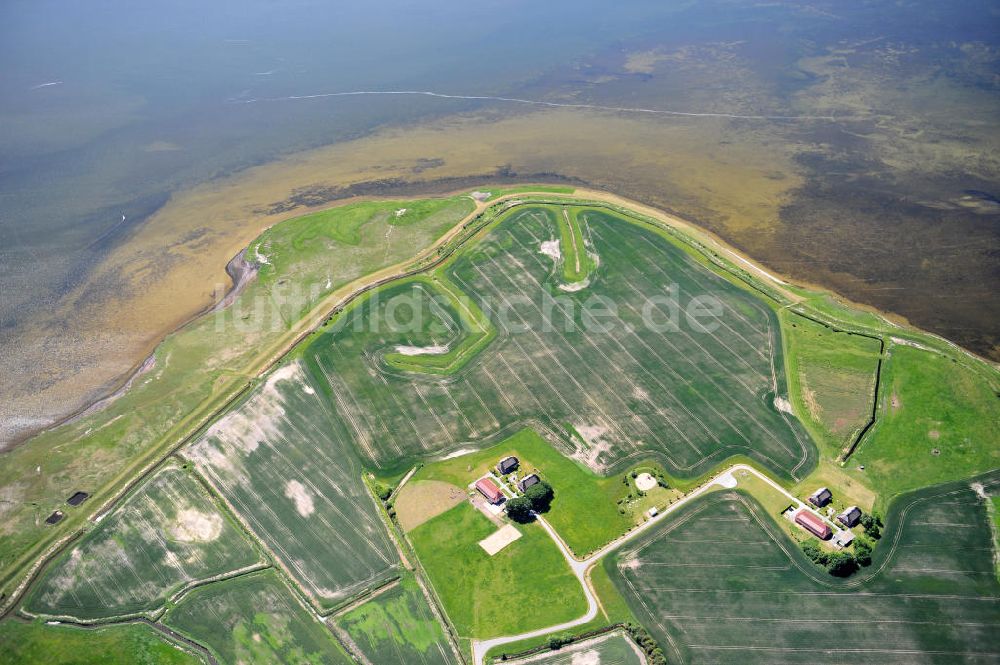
(580, 567)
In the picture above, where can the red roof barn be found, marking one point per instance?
(813, 524)
(489, 489)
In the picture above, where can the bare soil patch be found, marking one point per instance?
(421, 500)
(499, 539)
(301, 496)
(194, 526)
(645, 482)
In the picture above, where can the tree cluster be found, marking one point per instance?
(654, 654)
(839, 564)
(872, 524)
(536, 499)
(559, 641)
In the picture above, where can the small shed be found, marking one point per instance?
(489, 489)
(507, 464)
(821, 497)
(528, 481)
(850, 517)
(843, 538)
(813, 524)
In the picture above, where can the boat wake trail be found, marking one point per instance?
(536, 102)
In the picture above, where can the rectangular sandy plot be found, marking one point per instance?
(500, 539)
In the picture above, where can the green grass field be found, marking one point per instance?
(687, 398)
(525, 586)
(130, 644)
(295, 257)
(721, 583)
(576, 261)
(831, 379)
(255, 620)
(578, 490)
(289, 470)
(398, 628)
(937, 422)
(165, 536)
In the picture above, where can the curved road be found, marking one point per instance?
(580, 568)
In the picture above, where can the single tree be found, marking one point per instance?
(519, 509)
(540, 495)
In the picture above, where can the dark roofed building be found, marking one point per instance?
(528, 481)
(489, 489)
(820, 497)
(813, 524)
(850, 517)
(507, 464)
(77, 498)
(54, 517)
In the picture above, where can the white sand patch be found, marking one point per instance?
(551, 248)
(631, 563)
(589, 657)
(289, 372)
(400, 212)
(907, 342)
(258, 421)
(639, 393)
(782, 404)
(194, 526)
(979, 489)
(206, 454)
(727, 480)
(645, 482)
(499, 539)
(308, 390)
(575, 286)
(480, 196)
(459, 453)
(299, 495)
(433, 350)
(261, 259)
(256, 637)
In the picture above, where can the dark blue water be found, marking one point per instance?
(109, 106)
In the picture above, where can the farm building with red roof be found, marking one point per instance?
(489, 489)
(813, 524)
